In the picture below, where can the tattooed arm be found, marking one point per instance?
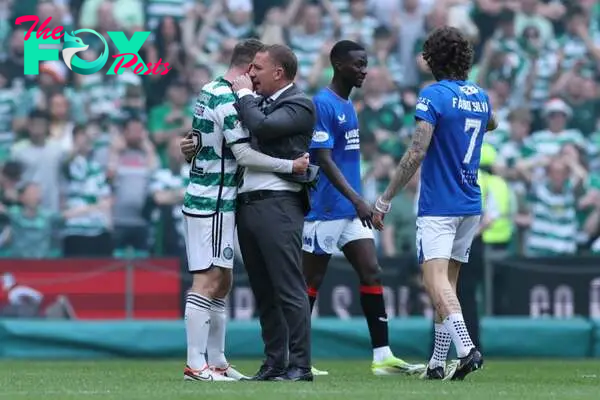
(410, 162)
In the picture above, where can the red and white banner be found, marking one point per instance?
(97, 288)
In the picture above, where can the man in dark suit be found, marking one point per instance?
(271, 209)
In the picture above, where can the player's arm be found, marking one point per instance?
(295, 115)
(238, 140)
(338, 180)
(322, 145)
(246, 156)
(335, 176)
(410, 162)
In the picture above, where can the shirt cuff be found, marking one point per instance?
(289, 166)
(244, 92)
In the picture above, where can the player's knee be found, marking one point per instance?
(206, 282)
(371, 275)
(314, 279)
(224, 284)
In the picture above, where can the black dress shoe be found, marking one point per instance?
(296, 374)
(267, 373)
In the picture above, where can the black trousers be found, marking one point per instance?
(88, 246)
(269, 227)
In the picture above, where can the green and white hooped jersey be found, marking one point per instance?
(216, 126)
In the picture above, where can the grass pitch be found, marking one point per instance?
(348, 380)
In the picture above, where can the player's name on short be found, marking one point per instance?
(468, 105)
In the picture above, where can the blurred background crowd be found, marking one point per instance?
(91, 163)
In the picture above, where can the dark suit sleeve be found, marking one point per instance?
(287, 119)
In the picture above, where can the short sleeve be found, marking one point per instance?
(323, 136)
(226, 117)
(428, 105)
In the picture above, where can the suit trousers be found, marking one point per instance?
(270, 238)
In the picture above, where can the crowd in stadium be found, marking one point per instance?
(91, 163)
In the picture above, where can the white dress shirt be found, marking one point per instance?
(255, 180)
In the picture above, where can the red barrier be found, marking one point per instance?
(97, 287)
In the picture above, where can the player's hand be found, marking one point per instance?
(364, 212)
(188, 146)
(301, 164)
(378, 220)
(242, 82)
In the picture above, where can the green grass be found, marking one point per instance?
(162, 380)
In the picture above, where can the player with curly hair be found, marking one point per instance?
(451, 117)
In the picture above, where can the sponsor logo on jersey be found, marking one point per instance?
(469, 90)
(320, 136)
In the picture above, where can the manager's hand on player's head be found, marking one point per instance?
(301, 164)
(188, 146)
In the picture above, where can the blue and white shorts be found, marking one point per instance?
(324, 237)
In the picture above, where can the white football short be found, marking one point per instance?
(322, 237)
(449, 238)
(209, 241)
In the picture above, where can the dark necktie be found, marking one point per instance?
(264, 104)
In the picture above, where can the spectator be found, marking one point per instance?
(528, 16)
(170, 119)
(87, 201)
(131, 163)
(42, 159)
(8, 106)
(548, 142)
(167, 47)
(61, 127)
(167, 189)
(380, 114)
(551, 220)
(9, 183)
(31, 222)
(308, 37)
(358, 25)
(384, 55)
(514, 149)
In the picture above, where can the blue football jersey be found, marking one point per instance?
(336, 129)
(460, 112)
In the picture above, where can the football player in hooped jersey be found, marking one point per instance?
(339, 217)
(452, 116)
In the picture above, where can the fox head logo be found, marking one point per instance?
(73, 45)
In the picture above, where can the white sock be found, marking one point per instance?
(442, 343)
(455, 324)
(216, 335)
(381, 353)
(197, 324)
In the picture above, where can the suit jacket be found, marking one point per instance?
(284, 130)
